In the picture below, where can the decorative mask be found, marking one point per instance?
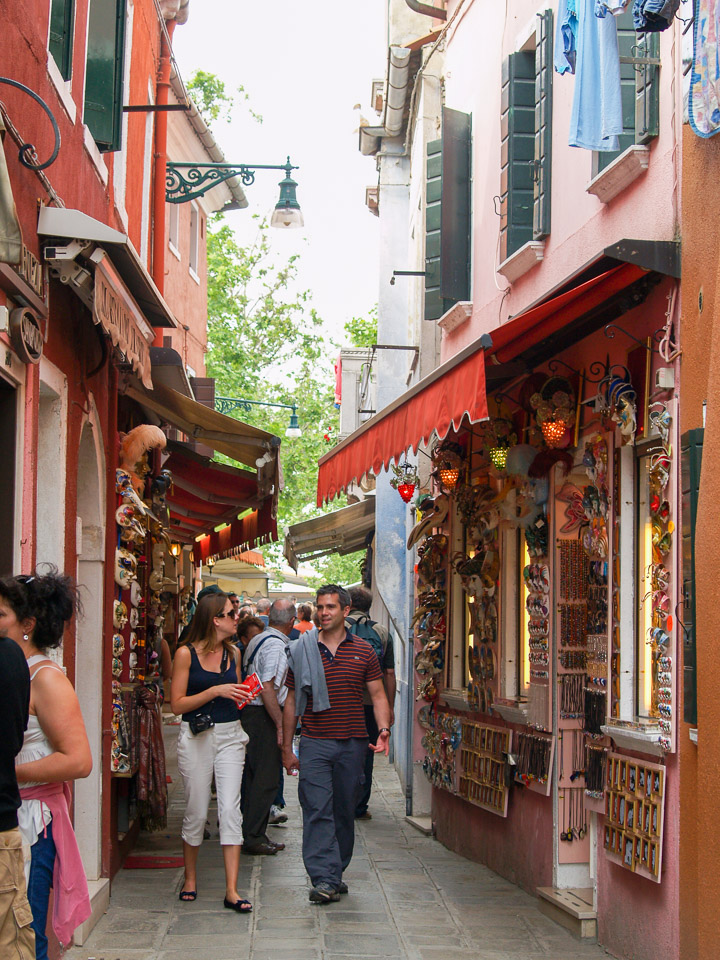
(125, 567)
(134, 617)
(132, 660)
(116, 666)
(135, 594)
(120, 614)
(118, 645)
(133, 640)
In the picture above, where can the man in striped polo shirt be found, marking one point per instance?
(333, 741)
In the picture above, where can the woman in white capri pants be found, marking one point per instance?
(205, 685)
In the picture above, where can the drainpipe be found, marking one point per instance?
(427, 10)
(161, 122)
(398, 70)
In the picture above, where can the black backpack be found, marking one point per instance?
(363, 627)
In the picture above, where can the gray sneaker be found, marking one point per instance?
(323, 893)
(277, 816)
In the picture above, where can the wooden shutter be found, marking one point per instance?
(104, 72)
(517, 122)
(691, 462)
(626, 44)
(542, 172)
(455, 207)
(62, 21)
(433, 202)
(647, 94)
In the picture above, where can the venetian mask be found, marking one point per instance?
(135, 594)
(118, 645)
(120, 614)
(125, 567)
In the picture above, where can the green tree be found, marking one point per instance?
(362, 331)
(213, 100)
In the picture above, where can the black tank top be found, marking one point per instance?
(220, 709)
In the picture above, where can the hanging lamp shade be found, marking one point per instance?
(287, 214)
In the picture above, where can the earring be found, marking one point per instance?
(25, 637)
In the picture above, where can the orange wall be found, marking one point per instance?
(699, 832)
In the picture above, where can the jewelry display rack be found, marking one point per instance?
(483, 754)
(635, 815)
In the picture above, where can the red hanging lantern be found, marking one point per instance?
(406, 491)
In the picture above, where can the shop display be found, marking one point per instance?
(441, 740)
(536, 577)
(534, 758)
(430, 614)
(572, 814)
(634, 815)
(595, 767)
(483, 757)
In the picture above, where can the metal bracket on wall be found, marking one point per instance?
(27, 150)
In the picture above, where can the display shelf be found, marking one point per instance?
(539, 781)
(483, 753)
(635, 815)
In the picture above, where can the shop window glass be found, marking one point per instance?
(62, 22)
(646, 679)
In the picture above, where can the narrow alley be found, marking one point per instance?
(409, 898)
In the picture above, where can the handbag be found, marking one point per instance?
(200, 723)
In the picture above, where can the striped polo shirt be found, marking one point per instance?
(354, 664)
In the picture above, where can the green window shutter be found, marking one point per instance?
(455, 207)
(626, 44)
(647, 92)
(62, 23)
(691, 461)
(433, 203)
(542, 173)
(104, 72)
(517, 124)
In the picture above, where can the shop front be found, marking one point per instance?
(547, 590)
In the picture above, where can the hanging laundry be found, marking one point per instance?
(596, 120)
(566, 37)
(704, 99)
(616, 7)
(651, 16)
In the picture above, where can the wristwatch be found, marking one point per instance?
(384, 730)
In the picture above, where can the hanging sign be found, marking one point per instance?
(117, 313)
(26, 335)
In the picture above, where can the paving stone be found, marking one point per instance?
(368, 945)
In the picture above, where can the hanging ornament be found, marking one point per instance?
(499, 438)
(499, 456)
(404, 480)
(406, 491)
(553, 431)
(448, 460)
(449, 476)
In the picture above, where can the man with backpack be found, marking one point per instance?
(359, 622)
(266, 656)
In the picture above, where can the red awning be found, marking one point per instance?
(207, 495)
(456, 389)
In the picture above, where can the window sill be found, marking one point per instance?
(173, 250)
(640, 741)
(62, 88)
(524, 259)
(457, 315)
(512, 710)
(195, 277)
(457, 699)
(620, 173)
(95, 155)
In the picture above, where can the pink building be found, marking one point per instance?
(540, 284)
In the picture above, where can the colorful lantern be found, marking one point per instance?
(406, 491)
(553, 431)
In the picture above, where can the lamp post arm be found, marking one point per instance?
(186, 180)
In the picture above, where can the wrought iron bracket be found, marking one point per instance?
(28, 149)
(189, 181)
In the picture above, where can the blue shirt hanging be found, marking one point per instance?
(566, 37)
(596, 120)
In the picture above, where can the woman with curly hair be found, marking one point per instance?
(34, 611)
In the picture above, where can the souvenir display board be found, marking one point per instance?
(483, 757)
(441, 739)
(534, 759)
(635, 815)
(536, 577)
(430, 614)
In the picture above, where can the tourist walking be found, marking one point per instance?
(17, 939)
(379, 639)
(266, 656)
(206, 690)
(304, 618)
(327, 676)
(34, 611)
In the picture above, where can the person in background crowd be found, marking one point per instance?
(206, 690)
(359, 620)
(304, 620)
(206, 591)
(17, 939)
(326, 679)
(248, 627)
(266, 656)
(34, 611)
(235, 601)
(261, 609)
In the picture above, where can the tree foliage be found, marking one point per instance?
(213, 100)
(362, 331)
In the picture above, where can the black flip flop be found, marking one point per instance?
(187, 896)
(240, 906)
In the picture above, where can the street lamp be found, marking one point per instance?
(187, 181)
(225, 404)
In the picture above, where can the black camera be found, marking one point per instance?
(200, 722)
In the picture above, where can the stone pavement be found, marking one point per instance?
(410, 899)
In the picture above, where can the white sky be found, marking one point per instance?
(304, 66)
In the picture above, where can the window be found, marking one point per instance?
(60, 43)
(447, 215)
(174, 228)
(526, 132)
(194, 238)
(639, 87)
(104, 72)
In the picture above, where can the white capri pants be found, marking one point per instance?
(221, 750)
